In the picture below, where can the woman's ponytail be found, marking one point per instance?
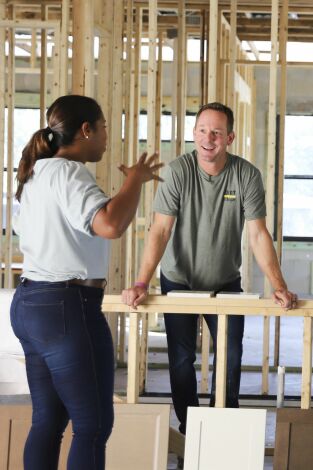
(41, 145)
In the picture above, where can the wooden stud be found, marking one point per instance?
(232, 54)
(104, 85)
(43, 68)
(213, 37)
(83, 47)
(271, 156)
(202, 58)
(116, 274)
(33, 49)
(181, 79)
(10, 158)
(149, 187)
(283, 38)
(221, 361)
(64, 47)
(158, 105)
(2, 125)
(133, 359)
(306, 364)
(205, 353)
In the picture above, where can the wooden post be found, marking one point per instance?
(64, 48)
(10, 159)
(271, 145)
(283, 38)
(133, 359)
(221, 361)
(158, 107)
(33, 49)
(213, 39)
(205, 353)
(83, 47)
(306, 364)
(202, 58)
(104, 86)
(2, 114)
(43, 69)
(149, 187)
(181, 78)
(232, 54)
(116, 273)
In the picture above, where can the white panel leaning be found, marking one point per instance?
(224, 439)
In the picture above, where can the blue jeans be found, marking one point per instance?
(181, 331)
(70, 368)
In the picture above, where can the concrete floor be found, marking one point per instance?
(157, 382)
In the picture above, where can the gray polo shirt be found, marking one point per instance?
(204, 251)
(57, 208)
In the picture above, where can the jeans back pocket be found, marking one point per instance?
(44, 322)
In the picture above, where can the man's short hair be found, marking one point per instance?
(222, 109)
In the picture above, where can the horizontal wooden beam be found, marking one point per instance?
(165, 304)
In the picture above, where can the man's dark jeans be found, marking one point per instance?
(70, 367)
(181, 333)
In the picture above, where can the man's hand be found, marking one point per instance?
(285, 298)
(134, 296)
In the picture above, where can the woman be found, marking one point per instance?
(64, 224)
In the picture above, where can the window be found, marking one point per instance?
(26, 122)
(298, 179)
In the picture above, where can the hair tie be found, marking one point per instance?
(49, 133)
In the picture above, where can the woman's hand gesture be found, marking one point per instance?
(144, 169)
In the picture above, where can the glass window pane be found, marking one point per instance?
(298, 204)
(298, 145)
(26, 122)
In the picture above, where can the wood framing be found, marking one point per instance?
(221, 307)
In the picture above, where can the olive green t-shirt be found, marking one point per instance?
(204, 251)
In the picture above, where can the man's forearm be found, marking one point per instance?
(266, 257)
(152, 255)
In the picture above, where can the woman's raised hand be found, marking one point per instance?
(144, 169)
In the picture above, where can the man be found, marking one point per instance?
(200, 210)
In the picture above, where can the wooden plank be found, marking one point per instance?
(149, 187)
(10, 157)
(232, 55)
(221, 361)
(271, 156)
(213, 38)
(164, 304)
(306, 364)
(283, 38)
(133, 359)
(64, 47)
(83, 46)
(2, 125)
(181, 78)
(43, 68)
(202, 73)
(159, 93)
(205, 352)
(116, 149)
(265, 355)
(104, 86)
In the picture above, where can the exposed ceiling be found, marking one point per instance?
(253, 16)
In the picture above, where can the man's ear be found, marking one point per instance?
(230, 138)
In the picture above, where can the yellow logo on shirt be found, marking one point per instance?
(230, 195)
